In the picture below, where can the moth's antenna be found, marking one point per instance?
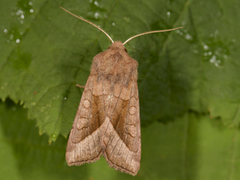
(150, 32)
(89, 23)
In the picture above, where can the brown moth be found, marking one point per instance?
(107, 121)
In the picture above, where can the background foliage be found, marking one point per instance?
(188, 82)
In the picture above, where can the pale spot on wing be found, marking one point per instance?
(132, 110)
(82, 123)
(86, 103)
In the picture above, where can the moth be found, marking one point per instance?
(108, 120)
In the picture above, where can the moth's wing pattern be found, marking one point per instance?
(122, 137)
(108, 120)
(84, 144)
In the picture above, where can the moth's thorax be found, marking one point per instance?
(115, 61)
(118, 45)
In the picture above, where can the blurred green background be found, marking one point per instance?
(189, 85)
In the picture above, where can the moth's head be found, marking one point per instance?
(118, 45)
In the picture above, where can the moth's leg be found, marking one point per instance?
(77, 85)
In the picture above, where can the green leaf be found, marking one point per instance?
(45, 52)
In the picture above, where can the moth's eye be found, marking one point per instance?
(125, 49)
